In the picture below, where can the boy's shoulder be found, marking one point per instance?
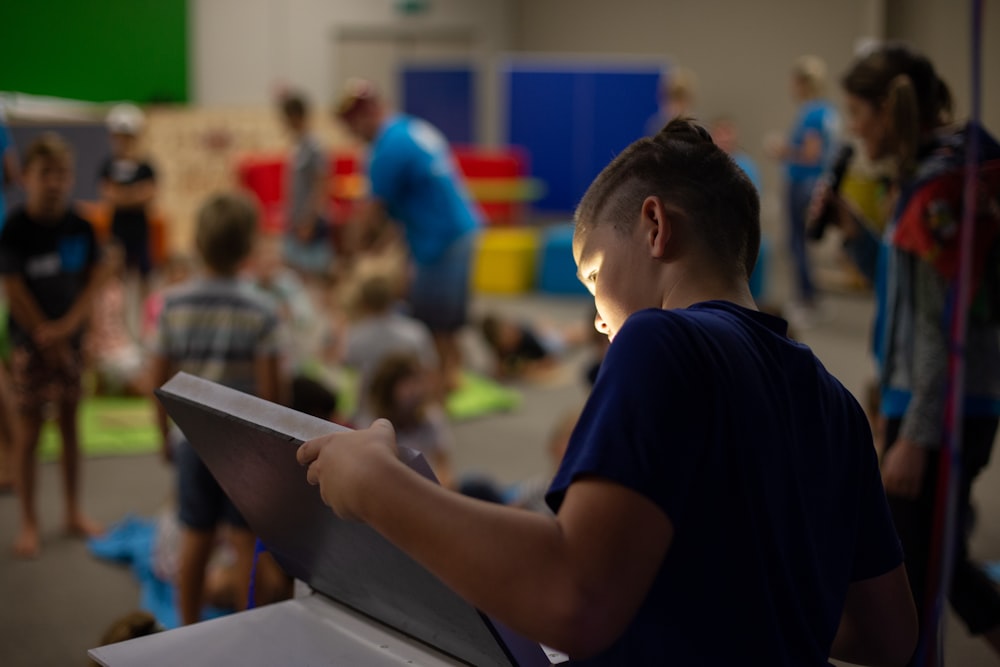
(18, 222)
(221, 293)
(15, 219)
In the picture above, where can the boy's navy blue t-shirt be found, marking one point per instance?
(764, 464)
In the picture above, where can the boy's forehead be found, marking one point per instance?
(49, 163)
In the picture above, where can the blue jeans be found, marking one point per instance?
(797, 199)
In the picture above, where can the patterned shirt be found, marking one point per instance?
(216, 329)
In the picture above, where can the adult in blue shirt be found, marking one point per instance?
(415, 183)
(719, 502)
(805, 154)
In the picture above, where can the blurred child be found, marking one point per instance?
(296, 309)
(117, 357)
(132, 625)
(49, 263)
(308, 248)
(726, 137)
(528, 351)
(224, 330)
(380, 331)
(128, 185)
(401, 392)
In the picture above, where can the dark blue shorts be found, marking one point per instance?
(439, 296)
(203, 503)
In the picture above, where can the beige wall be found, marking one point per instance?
(243, 50)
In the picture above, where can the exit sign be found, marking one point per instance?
(411, 7)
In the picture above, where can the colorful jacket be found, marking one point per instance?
(913, 267)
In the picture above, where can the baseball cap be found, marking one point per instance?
(125, 119)
(356, 91)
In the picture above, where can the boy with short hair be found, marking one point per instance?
(720, 499)
(225, 330)
(49, 264)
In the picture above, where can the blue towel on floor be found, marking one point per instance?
(131, 542)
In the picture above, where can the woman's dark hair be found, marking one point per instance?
(684, 168)
(905, 81)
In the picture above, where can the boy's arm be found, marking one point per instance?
(24, 307)
(56, 331)
(879, 622)
(160, 371)
(267, 373)
(368, 225)
(573, 582)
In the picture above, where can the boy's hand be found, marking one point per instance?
(903, 469)
(843, 215)
(57, 355)
(346, 465)
(52, 332)
(167, 449)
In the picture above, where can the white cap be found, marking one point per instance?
(125, 119)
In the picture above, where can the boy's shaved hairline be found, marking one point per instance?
(695, 179)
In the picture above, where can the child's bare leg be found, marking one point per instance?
(196, 548)
(243, 542)
(26, 545)
(9, 432)
(450, 356)
(273, 585)
(77, 523)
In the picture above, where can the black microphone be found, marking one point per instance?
(816, 225)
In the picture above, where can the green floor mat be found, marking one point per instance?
(479, 396)
(108, 427)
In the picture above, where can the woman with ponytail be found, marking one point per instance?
(899, 110)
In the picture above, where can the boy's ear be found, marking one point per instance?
(657, 226)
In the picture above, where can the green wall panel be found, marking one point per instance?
(97, 50)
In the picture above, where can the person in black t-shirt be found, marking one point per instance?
(128, 184)
(49, 266)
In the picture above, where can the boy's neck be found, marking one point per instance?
(212, 274)
(698, 283)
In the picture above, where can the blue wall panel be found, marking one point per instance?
(573, 121)
(443, 96)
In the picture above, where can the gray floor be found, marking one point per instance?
(53, 608)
